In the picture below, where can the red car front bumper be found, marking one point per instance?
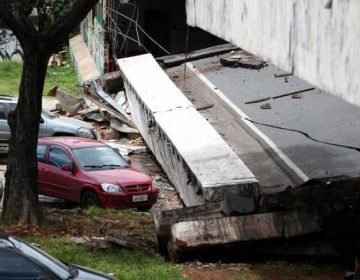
(111, 200)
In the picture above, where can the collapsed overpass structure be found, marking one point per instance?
(196, 159)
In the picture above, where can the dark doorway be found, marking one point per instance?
(157, 24)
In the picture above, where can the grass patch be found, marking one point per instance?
(123, 263)
(65, 77)
(10, 73)
(96, 211)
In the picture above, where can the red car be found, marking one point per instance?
(91, 173)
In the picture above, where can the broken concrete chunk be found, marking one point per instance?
(109, 133)
(266, 106)
(125, 149)
(297, 95)
(119, 126)
(70, 103)
(95, 116)
(243, 63)
(78, 240)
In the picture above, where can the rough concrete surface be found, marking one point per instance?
(256, 158)
(83, 61)
(322, 116)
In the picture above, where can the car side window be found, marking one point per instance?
(15, 266)
(2, 111)
(58, 157)
(41, 151)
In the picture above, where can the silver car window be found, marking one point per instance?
(2, 111)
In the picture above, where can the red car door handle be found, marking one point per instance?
(46, 171)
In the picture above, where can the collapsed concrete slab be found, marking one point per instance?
(310, 214)
(199, 163)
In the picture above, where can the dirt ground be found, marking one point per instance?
(258, 271)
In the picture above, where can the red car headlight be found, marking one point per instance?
(111, 188)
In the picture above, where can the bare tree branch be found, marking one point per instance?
(67, 23)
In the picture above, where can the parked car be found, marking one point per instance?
(20, 260)
(89, 172)
(50, 124)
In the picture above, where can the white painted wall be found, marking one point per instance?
(320, 44)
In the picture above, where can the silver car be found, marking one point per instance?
(50, 124)
(21, 260)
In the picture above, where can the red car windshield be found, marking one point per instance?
(101, 157)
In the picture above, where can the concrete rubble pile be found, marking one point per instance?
(111, 117)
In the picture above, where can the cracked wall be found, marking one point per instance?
(317, 40)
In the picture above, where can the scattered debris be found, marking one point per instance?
(297, 95)
(204, 107)
(107, 133)
(69, 102)
(177, 59)
(95, 116)
(292, 93)
(121, 100)
(95, 89)
(125, 150)
(119, 126)
(240, 61)
(83, 240)
(282, 75)
(266, 106)
(258, 100)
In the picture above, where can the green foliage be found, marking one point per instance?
(50, 10)
(123, 263)
(65, 77)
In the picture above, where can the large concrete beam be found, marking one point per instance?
(317, 40)
(196, 159)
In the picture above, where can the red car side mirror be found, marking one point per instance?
(67, 167)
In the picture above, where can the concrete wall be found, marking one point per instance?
(92, 32)
(9, 46)
(317, 40)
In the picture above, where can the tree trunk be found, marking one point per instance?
(21, 204)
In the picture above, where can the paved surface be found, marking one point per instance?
(270, 176)
(322, 116)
